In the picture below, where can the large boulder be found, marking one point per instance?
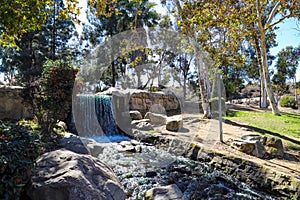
(158, 109)
(174, 123)
(65, 175)
(73, 143)
(157, 119)
(164, 193)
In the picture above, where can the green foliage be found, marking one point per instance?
(54, 96)
(19, 149)
(286, 65)
(289, 101)
(52, 40)
(21, 16)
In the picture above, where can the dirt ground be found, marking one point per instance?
(207, 133)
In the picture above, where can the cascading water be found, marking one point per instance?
(104, 112)
(97, 119)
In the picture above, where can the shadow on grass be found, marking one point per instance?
(262, 131)
(292, 115)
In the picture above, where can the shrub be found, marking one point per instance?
(19, 149)
(289, 101)
(54, 96)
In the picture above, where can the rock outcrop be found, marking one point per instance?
(65, 175)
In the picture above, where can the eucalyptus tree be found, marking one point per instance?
(241, 19)
(265, 15)
(286, 65)
(210, 26)
(114, 18)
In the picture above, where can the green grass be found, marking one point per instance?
(285, 126)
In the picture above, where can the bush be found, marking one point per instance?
(54, 96)
(289, 101)
(19, 149)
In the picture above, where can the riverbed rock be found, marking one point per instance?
(259, 150)
(174, 123)
(135, 115)
(244, 146)
(65, 175)
(157, 119)
(274, 147)
(144, 126)
(164, 193)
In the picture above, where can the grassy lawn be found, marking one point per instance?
(286, 126)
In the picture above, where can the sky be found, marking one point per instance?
(287, 35)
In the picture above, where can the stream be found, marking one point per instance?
(141, 167)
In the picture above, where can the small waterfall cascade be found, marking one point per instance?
(95, 118)
(105, 115)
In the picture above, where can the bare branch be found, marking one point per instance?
(272, 14)
(278, 21)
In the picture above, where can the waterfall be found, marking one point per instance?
(105, 115)
(94, 118)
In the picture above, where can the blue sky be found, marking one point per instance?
(287, 35)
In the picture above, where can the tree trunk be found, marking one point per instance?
(53, 32)
(263, 95)
(267, 81)
(264, 59)
(113, 72)
(203, 83)
(202, 70)
(184, 87)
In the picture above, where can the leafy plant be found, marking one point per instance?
(289, 101)
(19, 149)
(54, 96)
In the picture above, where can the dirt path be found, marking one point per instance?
(206, 133)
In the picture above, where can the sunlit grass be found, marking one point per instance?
(288, 124)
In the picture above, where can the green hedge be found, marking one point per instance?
(289, 101)
(19, 149)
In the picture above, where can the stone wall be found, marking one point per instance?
(145, 101)
(12, 106)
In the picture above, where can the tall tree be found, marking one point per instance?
(268, 14)
(34, 47)
(210, 26)
(20, 16)
(117, 17)
(286, 65)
